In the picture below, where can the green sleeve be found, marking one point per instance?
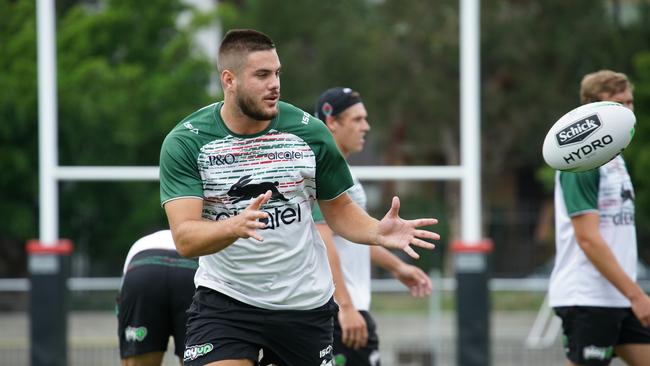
(332, 171)
(317, 214)
(580, 191)
(179, 173)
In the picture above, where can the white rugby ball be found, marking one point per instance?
(588, 136)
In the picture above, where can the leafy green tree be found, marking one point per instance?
(638, 153)
(126, 75)
(404, 60)
(18, 151)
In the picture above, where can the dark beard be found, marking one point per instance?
(248, 107)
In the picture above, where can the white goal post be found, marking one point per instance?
(50, 173)
(468, 173)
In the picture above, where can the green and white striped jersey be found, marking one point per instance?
(297, 159)
(607, 191)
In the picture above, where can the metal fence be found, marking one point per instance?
(407, 339)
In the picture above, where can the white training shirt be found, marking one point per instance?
(608, 191)
(159, 240)
(354, 258)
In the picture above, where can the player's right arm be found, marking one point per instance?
(181, 194)
(195, 236)
(354, 332)
(586, 228)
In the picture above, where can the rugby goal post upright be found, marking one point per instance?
(472, 250)
(48, 259)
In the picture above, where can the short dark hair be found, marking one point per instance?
(237, 43)
(595, 84)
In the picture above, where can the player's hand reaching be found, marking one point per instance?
(397, 233)
(415, 279)
(246, 224)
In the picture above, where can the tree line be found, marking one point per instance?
(127, 73)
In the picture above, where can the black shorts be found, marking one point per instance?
(366, 356)
(222, 328)
(591, 333)
(156, 292)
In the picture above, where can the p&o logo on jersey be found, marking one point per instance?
(222, 159)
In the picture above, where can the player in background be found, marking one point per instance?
(593, 285)
(156, 291)
(238, 179)
(355, 333)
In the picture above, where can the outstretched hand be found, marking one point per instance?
(245, 224)
(397, 233)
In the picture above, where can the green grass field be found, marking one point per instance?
(500, 301)
(381, 302)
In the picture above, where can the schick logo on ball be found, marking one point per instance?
(194, 352)
(578, 131)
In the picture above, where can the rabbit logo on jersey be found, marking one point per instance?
(244, 190)
(194, 352)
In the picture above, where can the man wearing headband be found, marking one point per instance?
(355, 336)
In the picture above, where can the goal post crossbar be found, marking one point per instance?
(150, 173)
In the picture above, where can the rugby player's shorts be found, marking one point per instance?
(156, 292)
(222, 328)
(591, 333)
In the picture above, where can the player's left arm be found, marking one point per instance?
(354, 330)
(411, 276)
(350, 221)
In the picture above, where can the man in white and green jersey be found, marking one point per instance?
(155, 293)
(356, 342)
(238, 179)
(592, 286)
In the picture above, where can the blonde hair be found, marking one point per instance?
(594, 85)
